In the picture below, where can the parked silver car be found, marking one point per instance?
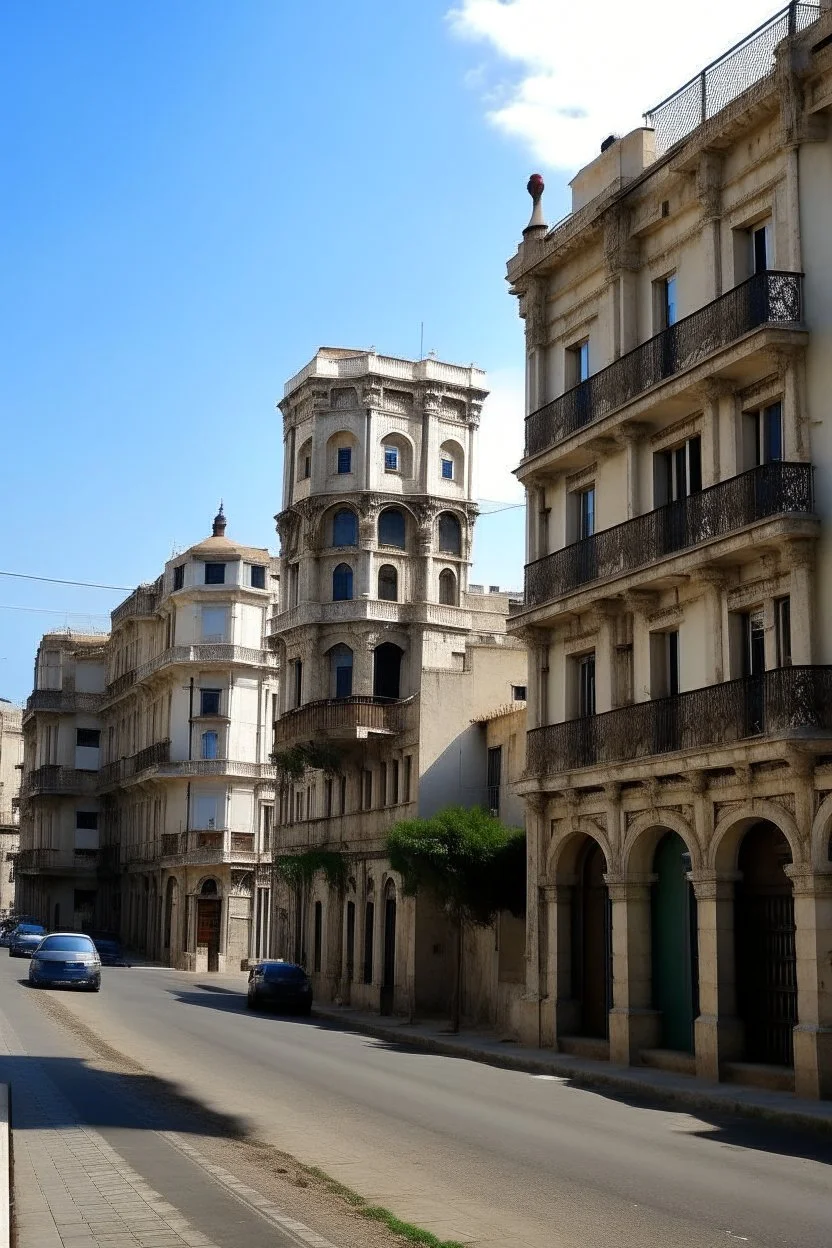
(25, 939)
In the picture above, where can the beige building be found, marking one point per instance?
(147, 769)
(388, 658)
(11, 765)
(678, 469)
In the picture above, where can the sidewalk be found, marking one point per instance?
(478, 1046)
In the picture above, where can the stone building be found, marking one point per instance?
(11, 763)
(388, 657)
(678, 469)
(147, 768)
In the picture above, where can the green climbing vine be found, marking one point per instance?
(301, 869)
(293, 762)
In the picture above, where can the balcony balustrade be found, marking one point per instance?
(208, 846)
(52, 780)
(44, 861)
(347, 718)
(219, 652)
(60, 700)
(120, 685)
(759, 494)
(122, 769)
(141, 603)
(788, 701)
(766, 299)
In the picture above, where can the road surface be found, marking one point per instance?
(476, 1154)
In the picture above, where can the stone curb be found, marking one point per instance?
(582, 1077)
(5, 1165)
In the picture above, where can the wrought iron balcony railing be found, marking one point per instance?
(52, 780)
(772, 298)
(209, 846)
(120, 685)
(343, 716)
(122, 769)
(62, 700)
(786, 701)
(762, 492)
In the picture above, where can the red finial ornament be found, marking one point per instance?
(535, 186)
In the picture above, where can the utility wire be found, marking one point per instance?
(78, 615)
(54, 580)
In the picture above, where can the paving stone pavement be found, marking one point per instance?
(72, 1190)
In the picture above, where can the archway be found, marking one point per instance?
(447, 588)
(387, 668)
(388, 979)
(592, 943)
(675, 976)
(764, 941)
(208, 914)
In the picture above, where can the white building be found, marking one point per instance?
(11, 765)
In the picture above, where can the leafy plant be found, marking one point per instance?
(293, 762)
(471, 863)
(301, 869)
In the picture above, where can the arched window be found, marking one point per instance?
(447, 588)
(450, 534)
(344, 528)
(340, 667)
(342, 583)
(391, 528)
(451, 462)
(388, 583)
(304, 464)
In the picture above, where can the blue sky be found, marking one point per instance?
(195, 196)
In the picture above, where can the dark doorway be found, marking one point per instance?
(766, 966)
(208, 914)
(388, 982)
(387, 668)
(592, 943)
(674, 944)
(369, 920)
(317, 948)
(350, 952)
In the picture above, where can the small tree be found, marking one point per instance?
(471, 863)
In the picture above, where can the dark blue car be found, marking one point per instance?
(280, 986)
(66, 959)
(25, 939)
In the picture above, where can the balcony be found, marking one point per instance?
(61, 701)
(208, 847)
(432, 613)
(219, 767)
(770, 490)
(59, 862)
(55, 781)
(204, 654)
(788, 701)
(766, 299)
(350, 719)
(119, 686)
(140, 604)
(123, 769)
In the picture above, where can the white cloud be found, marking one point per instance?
(564, 75)
(500, 445)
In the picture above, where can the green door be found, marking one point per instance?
(674, 944)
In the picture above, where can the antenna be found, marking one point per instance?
(421, 340)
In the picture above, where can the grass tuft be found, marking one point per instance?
(377, 1213)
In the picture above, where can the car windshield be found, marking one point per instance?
(67, 944)
(289, 974)
(31, 929)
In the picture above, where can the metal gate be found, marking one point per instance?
(767, 980)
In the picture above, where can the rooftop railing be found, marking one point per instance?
(770, 298)
(762, 492)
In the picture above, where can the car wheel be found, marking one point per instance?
(252, 1002)
(94, 987)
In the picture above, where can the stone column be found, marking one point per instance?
(709, 193)
(799, 558)
(629, 437)
(535, 822)
(717, 1031)
(813, 946)
(634, 1024)
(714, 580)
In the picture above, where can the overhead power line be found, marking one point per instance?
(54, 580)
(78, 615)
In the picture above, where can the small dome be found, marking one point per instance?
(218, 529)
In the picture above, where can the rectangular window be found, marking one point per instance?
(215, 574)
(518, 693)
(328, 797)
(342, 795)
(408, 772)
(179, 576)
(586, 685)
(317, 946)
(87, 819)
(89, 737)
(783, 625)
(206, 808)
(494, 771)
(266, 837)
(210, 745)
(586, 513)
(297, 672)
(766, 434)
(309, 802)
(664, 664)
(754, 650)
(760, 247)
(677, 473)
(209, 701)
(577, 363)
(394, 779)
(258, 576)
(298, 806)
(344, 459)
(447, 469)
(307, 467)
(294, 584)
(665, 311)
(214, 623)
(382, 784)
(366, 789)
(391, 459)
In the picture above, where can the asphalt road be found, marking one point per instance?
(475, 1153)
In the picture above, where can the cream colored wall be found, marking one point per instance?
(11, 754)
